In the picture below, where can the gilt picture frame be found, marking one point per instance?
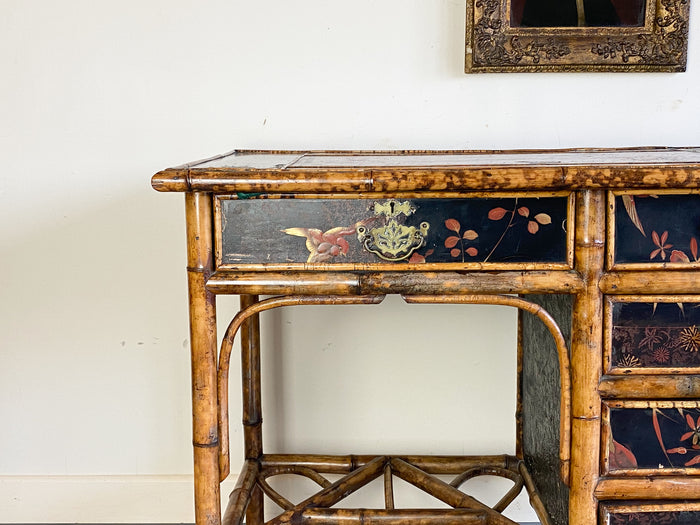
(500, 38)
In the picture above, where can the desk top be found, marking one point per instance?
(361, 171)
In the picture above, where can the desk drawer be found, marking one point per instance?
(669, 513)
(654, 231)
(396, 232)
(651, 438)
(652, 335)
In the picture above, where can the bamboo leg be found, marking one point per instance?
(252, 404)
(240, 497)
(202, 306)
(586, 356)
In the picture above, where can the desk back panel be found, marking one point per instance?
(538, 392)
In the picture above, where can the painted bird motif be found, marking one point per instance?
(323, 246)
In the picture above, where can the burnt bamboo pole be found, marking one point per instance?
(648, 282)
(562, 352)
(202, 311)
(586, 357)
(227, 345)
(252, 402)
(240, 497)
(343, 464)
(360, 280)
(649, 488)
(392, 517)
(519, 452)
(445, 492)
(535, 499)
(639, 386)
(388, 487)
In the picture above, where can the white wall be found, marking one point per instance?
(96, 96)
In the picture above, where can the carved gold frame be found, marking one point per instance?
(492, 46)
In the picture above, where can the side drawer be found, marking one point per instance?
(642, 513)
(651, 438)
(357, 232)
(654, 231)
(652, 335)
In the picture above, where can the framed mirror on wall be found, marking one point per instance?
(576, 35)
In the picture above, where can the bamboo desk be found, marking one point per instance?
(596, 248)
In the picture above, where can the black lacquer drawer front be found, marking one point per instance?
(669, 513)
(398, 232)
(654, 230)
(653, 334)
(651, 437)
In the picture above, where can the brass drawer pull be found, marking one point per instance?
(393, 241)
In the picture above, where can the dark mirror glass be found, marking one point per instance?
(577, 13)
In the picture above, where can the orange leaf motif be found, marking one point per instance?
(455, 252)
(678, 256)
(694, 248)
(525, 212)
(543, 218)
(451, 241)
(470, 235)
(452, 224)
(533, 227)
(621, 457)
(497, 214)
(693, 461)
(679, 450)
(471, 251)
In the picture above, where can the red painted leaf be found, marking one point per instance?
(543, 218)
(525, 212)
(654, 253)
(470, 235)
(452, 224)
(694, 248)
(456, 252)
(429, 252)
(664, 237)
(657, 428)
(687, 435)
(679, 450)
(689, 420)
(678, 256)
(621, 457)
(416, 258)
(497, 214)
(471, 251)
(533, 227)
(451, 242)
(693, 461)
(655, 238)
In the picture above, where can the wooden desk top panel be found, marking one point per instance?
(373, 171)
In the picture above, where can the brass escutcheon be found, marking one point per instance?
(393, 241)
